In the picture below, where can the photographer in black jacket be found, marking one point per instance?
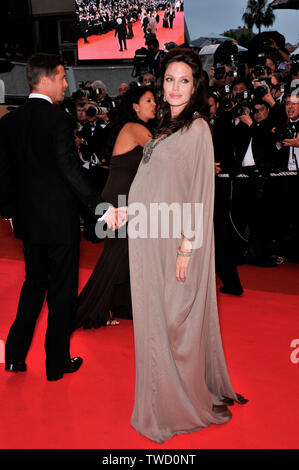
(254, 148)
(287, 159)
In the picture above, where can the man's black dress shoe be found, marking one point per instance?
(231, 290)
(15, 366)
(72, 366)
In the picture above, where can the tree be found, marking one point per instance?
(258, 14)
(243, 36)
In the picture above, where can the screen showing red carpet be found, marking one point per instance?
(117, 29)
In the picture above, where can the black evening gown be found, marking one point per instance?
(108, 287)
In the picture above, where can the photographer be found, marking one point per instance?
(270, 88)
(287, 137)
(103, 100)
(94, 134)
(225, 264)
(222, 134)
(91, 140)
(287, 159)
(254, 148)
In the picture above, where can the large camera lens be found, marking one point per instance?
(92, 111)
(259, 71)
(219, 72)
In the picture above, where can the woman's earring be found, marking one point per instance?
(164, 99)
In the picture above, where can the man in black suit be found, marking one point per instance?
(41, 185)
(121, 33)
(287, 159)
(254, 148)
(84, 27)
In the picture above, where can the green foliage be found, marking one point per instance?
(258, 13)
(243, 37)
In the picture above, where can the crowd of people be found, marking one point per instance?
(254, 113)
(101, 16)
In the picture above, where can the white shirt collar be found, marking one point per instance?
(40, 95)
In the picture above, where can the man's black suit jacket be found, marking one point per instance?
(263, 145)
(40, 176)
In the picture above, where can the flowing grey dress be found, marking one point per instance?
(180, 365)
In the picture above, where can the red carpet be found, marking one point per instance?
(92, 408)
(106, 46)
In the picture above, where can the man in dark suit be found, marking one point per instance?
(84, 27)
(254, 148)
(121, 33)
(171, 17)
(41, 185)
(287, 159)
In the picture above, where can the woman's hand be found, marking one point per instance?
(183, 261)
(181, 267)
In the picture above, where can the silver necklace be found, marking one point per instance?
(149, 148)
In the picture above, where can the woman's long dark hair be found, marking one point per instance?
(126, 113)
(198, 104)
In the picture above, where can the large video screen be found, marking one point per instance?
(116, 29)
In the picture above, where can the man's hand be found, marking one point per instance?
(291, 142)
(121, 216)
(116, 218)
(246, 118)
(217, 168)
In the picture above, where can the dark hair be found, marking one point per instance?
(198, 102)
(239, 80)
(261, 102)
(42, 64)
(126, 112)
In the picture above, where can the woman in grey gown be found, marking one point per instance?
(182, 382)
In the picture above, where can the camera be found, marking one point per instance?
(295, 64)
(94, 110)
(238, 111)
(219, 72)
(285, 132)
(263, 88)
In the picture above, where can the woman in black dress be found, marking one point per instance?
(107, 292)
